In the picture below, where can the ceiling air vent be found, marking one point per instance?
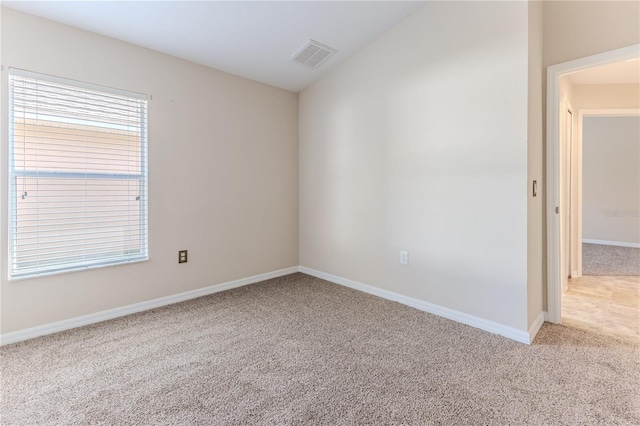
(312, 54)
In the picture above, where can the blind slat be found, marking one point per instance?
(78, 169)
(48, 240)
(59, 252)
(51, 222)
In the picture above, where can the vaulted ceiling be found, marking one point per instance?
(253, 39)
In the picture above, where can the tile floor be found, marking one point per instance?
(605, 304)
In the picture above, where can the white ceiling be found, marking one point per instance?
(253, 39)
(625, 72)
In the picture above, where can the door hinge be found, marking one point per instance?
(557, 210)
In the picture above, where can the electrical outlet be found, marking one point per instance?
(404, 257)
(182, 256)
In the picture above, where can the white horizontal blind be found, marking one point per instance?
(78, 175)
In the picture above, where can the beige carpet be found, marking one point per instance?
(602, 260)
(299, 350)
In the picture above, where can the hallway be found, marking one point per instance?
(607, 304)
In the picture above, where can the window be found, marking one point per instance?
(77, 173)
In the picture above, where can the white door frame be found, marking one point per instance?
(566, 143)
(554, 288)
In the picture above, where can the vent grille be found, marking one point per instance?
(312, 54)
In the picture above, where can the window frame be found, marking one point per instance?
(13, 174)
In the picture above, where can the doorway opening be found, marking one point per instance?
(603, 94)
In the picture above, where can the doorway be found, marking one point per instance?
(564, 178)
(605, 295)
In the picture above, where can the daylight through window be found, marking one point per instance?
(78, 175)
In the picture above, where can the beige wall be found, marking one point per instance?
(576, 29)
(566, 89)
(222, 173)
(535, 205)
(602, 96)
(611, 179)
(567, 143)
(419, 143)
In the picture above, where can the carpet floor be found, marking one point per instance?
(299, 350)
(601, 260)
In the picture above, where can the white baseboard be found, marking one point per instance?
(611, 243)
(537, 324)
(67, 324)
(481, 323)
